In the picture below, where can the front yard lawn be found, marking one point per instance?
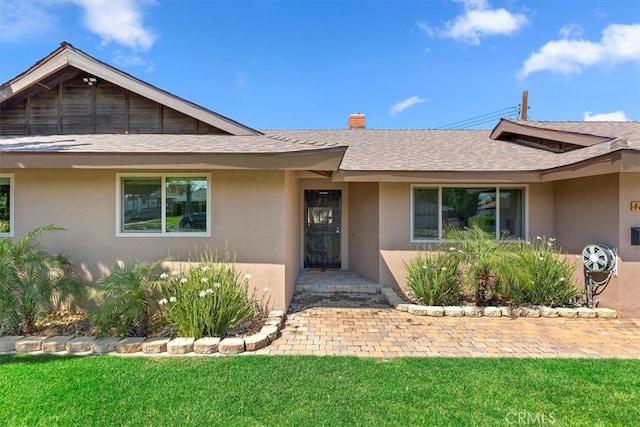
(299, 390)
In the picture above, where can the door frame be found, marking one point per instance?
(314, 182)
(339, 239)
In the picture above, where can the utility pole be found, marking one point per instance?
(524, 106)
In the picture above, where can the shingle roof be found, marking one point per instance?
(158, 143)
(368, 150)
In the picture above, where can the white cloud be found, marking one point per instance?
(616, 116)
(478, 21)
(619, 43)
(403, 105)
(117, 21)
(570, 31)
(24, 18)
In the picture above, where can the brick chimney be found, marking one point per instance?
(356, 121)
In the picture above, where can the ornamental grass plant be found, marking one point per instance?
(435, 278)
(208, 298)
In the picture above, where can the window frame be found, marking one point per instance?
(440, 187)
(163, 187)
(12, 216)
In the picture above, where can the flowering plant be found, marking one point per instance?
(207, 299)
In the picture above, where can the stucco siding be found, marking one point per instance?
(248, 220)
(364, 229)
(629, 256)
(293, 224)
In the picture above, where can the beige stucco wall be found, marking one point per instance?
(629, 256)
(587, 212)
(248, 210)
(293, 229)
(363, 229)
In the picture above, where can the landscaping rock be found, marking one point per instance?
(492, 312)
(206, 345)
(453, 311)
(606, 313)
(549, 312)
(505, 311)
(80, 344)
(51, 332)
(273, 321)
(30, 344)
(472, 311)
(256, 342)
(567, 312)
(130, 345)
(180, 345)
(155, 345)
(418, 310)
(56, 344)
(587, 313)
(529, 312)
(270, 331)
(276, 313)
(104, 345)
(8, 343)
(403, 307)
(434, 311)
(231, 346)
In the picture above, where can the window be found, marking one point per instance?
(163, 205)
(6, 205)
(497, 210)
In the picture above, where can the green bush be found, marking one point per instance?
(544, 277)
(435, 278)
(125, 297)
(208, 298)
(33, 283)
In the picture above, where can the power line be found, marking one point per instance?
(483, 118)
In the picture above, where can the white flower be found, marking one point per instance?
(532, 282)
(172, 299)
(164, 275)
(204, 280)
(266, 289)
(452, 248)
(247, 277)
(444, 268)
(163, 301)
(424, 266)
(562, 279)
(217, 285)
(549, 244)
(183, 280)
(209, 291)
(541, 258)
(174, 273)
(528, 242)
(552, 239)
(205, 268)
(203, 294)
(538, 238)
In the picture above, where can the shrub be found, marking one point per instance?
(124, 299)
(544, 278)
(435, 278)
(207, 298)
(485, 261)
(33, 282)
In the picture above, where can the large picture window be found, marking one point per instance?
(6, 205)
(497, 210)
(164, 205)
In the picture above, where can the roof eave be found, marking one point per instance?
(506, 127)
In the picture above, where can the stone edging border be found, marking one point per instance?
(472, 311)
(148, 346)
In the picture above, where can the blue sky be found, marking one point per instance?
(276, 64)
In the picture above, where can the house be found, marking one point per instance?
(133, 172)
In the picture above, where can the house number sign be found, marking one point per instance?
(635, 206)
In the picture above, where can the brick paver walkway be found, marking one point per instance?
(326, 326)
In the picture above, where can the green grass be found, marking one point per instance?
(253, 390)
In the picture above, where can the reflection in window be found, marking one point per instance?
(498, 211)
(162, 205)
(319, 215)
(5, 205)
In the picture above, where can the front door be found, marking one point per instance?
(322, 228)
